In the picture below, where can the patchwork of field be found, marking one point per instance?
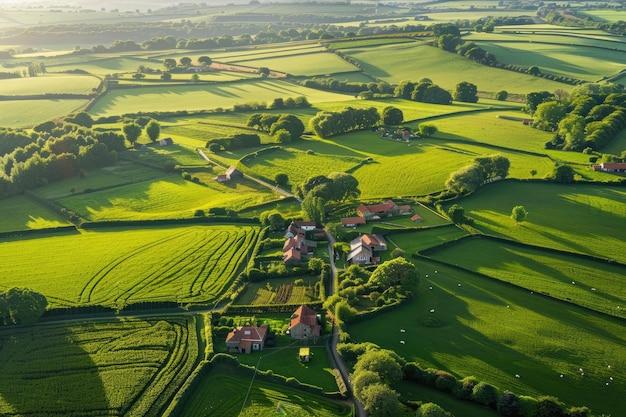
(222, 394)
(397, 62)
(106, 368)
(203, 97)
(149, 264)
(469, 325)
(279, 291)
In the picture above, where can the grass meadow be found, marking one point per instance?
(49, 84)
(576, 218)
(112, 367)
(224, 393)
(28, 113)
(493, 331)
(423, 239)
(22, 213)
(156, 264)
(307, 64)
(169, 197)
(397, 62)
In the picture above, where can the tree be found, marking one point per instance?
(282, 136)
(313, 208)
(534, 70)
(205, 60)
(448, 42)
(281, 179)
(153, 130)
(195, 78)
(264, 71)
(362, 380)
(345, 186)
(290, 123)
(550, 407)
(465, 180)
(563, 174)
(572, 129)
(381, 361)
(427, 130)
(508, 405)
(315, 265)
(132, 131)
(466, 92)
(518, 214)
(21, 306)
(275, 221)
(502, 95)
(457, 214)
(185, 61)
(392, 116)
(485, 394)
(166, 76)
(381, 401)
(432, 410)
(396, 271)
(534, 99)
(169, 64)
(548, 115)
(81, 119)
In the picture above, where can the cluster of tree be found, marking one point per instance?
(392, 116)
(344, 86)
(237, 141)
(424, 91)
(484, 169)
(506, 403)
(21, 306)
(290, 103)
(315, 192)
(329, 123)
(588, 119)
(53, 151)
(284, 128)
(133, 129)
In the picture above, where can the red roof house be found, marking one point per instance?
(304, 323)
(352, 221)
(245, 339)
(610, 167)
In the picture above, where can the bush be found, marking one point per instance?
(445, 381)
(198, 213)
(485, 394)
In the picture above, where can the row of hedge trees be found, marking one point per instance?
(345, 86)
(467, 179)
(329, 123)
(237, 141)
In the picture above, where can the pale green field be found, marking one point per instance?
(201, 97)
(212, 76)
(605, 15)
(28, 113)
(261, 52)
(22, 213)
(49, 84)
(103, 64)
(121, 265)
(166, 198)
(397, 62)
(319, 63)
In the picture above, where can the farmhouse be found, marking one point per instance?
(304, 323)
(365, 249)
(245, 339)
(352, 221)
(296, 247)
(378, 211)
(233, 173)
(610, 167)
(416, 218)
(166, 142)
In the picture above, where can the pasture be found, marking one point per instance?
(169, 197)
(423, 239)
(223, 393)
(22, 213)
(575, 218)
(194, 263)
(306, 64)
(412, 61)
(28, 113)
(112, 367)
(468, 325)
(202, 97)
(49, 84)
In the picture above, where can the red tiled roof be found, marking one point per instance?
(416, 218)
(613, 165)
(247, 333)
(305, 315)
(352, 220)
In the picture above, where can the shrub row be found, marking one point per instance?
(164, 222)
(269, 308)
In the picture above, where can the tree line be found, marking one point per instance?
(21, 306)
(329, 123)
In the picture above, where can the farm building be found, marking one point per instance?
(296, 248)
(221, 178)
(245, 339)
(233, 173)
(365, 249)
(352, 221)
(610, 167)
(305, 225)
(166, 142)
(378, 211)
(304, 323)
(416, 218)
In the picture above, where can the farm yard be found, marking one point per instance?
(157, 192)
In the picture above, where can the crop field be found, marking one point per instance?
(203, 97)
(588, 283)
(173, 263)
(414, 61)
(279, 291)
(170, 197)
(22, 213)
(583, 219)
(108, 368)
(49, 84)
(494, 331)
(28, 113)
(268, 52)
(222, 393)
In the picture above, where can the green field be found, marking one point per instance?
(22, 213)
(223, 393)
(49, 84)
(203, 97)
(583, 219)
(493, 332)
(28, 113)
(105, 368)
(308, 64)
(258, 293)
(397, 62)
(157, 264)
